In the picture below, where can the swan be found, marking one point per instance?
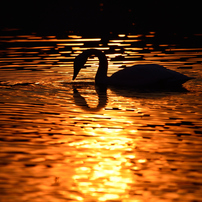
(137, 76)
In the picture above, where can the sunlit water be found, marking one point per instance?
(61, 141)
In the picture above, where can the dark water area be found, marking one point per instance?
(102, 16)
(64, 140)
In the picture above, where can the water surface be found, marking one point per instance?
(69, 141)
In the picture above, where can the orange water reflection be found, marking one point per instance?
(105, 175)
(59, 144)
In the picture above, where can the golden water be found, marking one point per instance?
(61, 141)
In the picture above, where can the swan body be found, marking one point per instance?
(137, 76)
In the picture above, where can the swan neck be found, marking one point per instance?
(101, 75)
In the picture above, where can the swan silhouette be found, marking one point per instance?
(137, 76)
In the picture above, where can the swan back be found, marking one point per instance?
(150, 75)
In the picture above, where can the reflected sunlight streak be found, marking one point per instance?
(109, 175)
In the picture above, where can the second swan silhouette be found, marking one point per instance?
(137, 76)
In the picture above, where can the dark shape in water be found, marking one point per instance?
(80, 101)
(138, 76)
(101, 92)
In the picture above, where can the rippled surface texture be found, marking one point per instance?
(64, 141)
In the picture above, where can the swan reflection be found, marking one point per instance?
(81, 102)
(84, 96)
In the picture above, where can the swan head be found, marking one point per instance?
(79, 63)
(81, 59)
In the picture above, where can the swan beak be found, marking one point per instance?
(74, 77)
(76, 71)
